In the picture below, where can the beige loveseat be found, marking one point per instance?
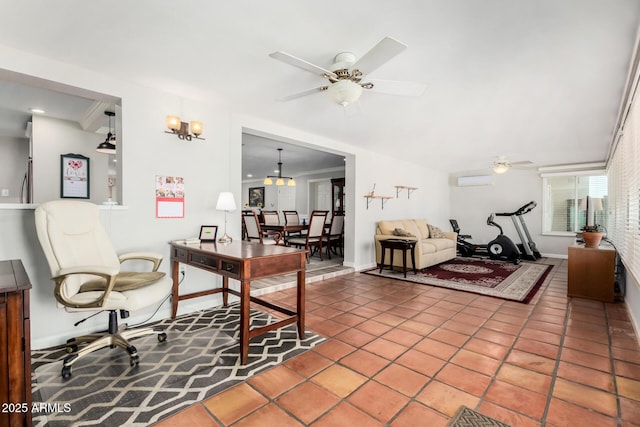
(429, 250)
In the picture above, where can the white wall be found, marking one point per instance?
(53, 137)
(208, 167)
(13, 166)
(472, 205)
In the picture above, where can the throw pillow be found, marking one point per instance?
(401, 232)
(435, 232)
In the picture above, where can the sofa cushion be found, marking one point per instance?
(441, 244)
(435, 232)
(423, 226)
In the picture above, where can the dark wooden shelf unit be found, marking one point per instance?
(15, 345)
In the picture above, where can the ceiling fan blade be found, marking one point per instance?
(393, 87)
(522, 163)
(386, 49)
(301, 63)
(303, 93)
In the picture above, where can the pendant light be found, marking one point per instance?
(109, 144)
(279, 179)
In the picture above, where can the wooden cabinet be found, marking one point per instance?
(591, 273)
(15, 345)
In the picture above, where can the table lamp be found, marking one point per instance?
(226, 203)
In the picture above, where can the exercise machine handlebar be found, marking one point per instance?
(525, 209)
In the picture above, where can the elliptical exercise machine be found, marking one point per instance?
(501, 248)
(528, 246)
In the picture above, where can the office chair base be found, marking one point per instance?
(98, 341)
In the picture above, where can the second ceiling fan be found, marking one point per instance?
(346, 75)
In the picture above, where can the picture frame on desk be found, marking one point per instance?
(208, 233)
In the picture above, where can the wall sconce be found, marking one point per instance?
(181, 128)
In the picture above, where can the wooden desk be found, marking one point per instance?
(15, 345)
(591, 273)
(243, 261)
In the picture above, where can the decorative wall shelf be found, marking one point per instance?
(410, 190)
(382, 199)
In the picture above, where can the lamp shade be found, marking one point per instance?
(226, 202)
(291, 183)
(345, 92)
(267, 181)
(173, 122)
(196, 128)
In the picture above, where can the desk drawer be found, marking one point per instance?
(179, 254)
(232, 268)
(210, 263)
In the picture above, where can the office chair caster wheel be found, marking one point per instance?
(66, 371)
(134, 361)
(162, 337)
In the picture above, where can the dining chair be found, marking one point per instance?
(291, 218)
(253, 231)
(313, 240)
(334, 238)
(88, 277)
(270, 218)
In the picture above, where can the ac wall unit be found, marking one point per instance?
(471, 181)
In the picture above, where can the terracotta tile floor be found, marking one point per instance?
(400, 354)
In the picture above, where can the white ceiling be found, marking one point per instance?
(531, 80)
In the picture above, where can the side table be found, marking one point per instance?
(403, 245)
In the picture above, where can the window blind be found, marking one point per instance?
(624, 192)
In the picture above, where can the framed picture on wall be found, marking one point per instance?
(74, 176)
(256, 197)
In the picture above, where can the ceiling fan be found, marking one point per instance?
(502, 165)
(345, 77)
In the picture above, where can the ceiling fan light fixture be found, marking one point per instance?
(501, 167)
(344, 92)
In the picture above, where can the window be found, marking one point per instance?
(624, 227)
(572, 201)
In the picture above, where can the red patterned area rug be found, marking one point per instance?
(481, 276)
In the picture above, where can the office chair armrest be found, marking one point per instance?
(108, 273)
(153, 257)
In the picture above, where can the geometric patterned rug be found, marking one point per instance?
(199, 359)
(469, 418)
(506, 280)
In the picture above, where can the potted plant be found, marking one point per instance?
(592, 235)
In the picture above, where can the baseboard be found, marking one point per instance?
(559, 256)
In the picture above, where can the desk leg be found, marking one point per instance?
(175, 272)
(225, 291)
(300, 296)
(245, 287)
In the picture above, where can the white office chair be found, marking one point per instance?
(87, 276)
